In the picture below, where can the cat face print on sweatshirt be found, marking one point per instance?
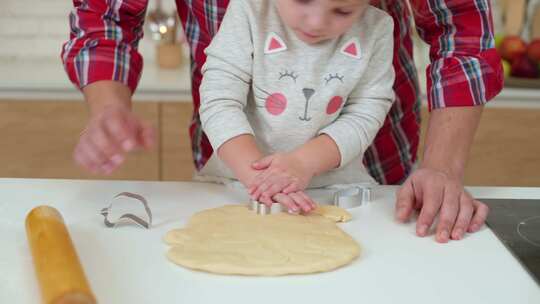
(304, 91)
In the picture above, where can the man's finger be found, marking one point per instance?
(481, 211)
(432, 200)
(134, 128)
(83, 160)
(111, 148)
(448, 213)
(89, 157)
(102, 142)
(119, 129)
(405, 199)
(464, 216)
(148, 136)
(94, 154)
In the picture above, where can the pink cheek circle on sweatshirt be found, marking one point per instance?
(276, 103)
(333, 105)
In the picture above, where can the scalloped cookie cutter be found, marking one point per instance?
(346, 198)
(352, 197)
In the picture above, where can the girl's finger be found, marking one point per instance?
(287, 202)
(301, 201)
(308, 199)
(277, 185)
(121, 132)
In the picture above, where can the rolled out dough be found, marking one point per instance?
(234, 240)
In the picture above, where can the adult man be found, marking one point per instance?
(465, 72)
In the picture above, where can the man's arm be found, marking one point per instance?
(102, 60)
(465, 73)
(465, 69)
(103, 42)
(105, 93)
(450, 134)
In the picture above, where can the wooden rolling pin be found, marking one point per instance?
(59, 272)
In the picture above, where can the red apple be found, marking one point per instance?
(524, 67)
(512, 47)
(533, 50)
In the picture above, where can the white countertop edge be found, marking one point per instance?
(505, 192)
(155, 95)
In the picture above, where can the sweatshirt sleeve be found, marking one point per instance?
(227, 78)
(368, 104)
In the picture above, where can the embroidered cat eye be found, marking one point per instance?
(336, 76)
(290, 74)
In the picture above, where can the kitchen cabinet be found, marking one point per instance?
(506, 149)
(38, 138)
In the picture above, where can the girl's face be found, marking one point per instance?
(314, 21)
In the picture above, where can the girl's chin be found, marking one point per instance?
(309, 39)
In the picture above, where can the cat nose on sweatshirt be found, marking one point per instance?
(308, 93)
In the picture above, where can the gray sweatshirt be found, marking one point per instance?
(260, 79)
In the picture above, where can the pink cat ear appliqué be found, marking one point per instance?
(352, 48)
(274, 44)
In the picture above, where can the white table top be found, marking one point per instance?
(127, 264)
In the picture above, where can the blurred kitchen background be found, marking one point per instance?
(42, 114)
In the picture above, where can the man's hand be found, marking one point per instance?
(435, 193)
(108, 136)
(281, 173)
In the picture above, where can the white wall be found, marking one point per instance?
(33, 29)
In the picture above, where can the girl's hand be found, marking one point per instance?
(109, 135)
(281, 172)
(295, 202)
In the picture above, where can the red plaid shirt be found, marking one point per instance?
(465, 69)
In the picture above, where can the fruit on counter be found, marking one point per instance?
(507, 68)
(498, 40)
(524, 67)
(512, 47)
(533, 50)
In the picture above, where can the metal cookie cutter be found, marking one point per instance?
(146, 224)
(352, 197)
(262, 209)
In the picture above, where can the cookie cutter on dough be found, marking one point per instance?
(262, 209)
(352, 197)
(146, 224)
